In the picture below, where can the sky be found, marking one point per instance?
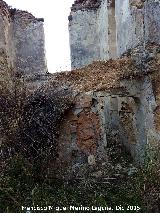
(55, 14)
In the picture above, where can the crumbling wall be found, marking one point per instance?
(152, 18)
(88, 34)
(81, 140)
(130, 28)
(143, 106)
(125, 107)
(21, 42)
(83, 4)
(116, 99)
(29, 44)
(157, 109)
(103, 32)
(6, 37)
(112, 30)
(84, 39)
(137, 22)
(118, 26)
(97, 118)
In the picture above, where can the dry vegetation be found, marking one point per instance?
(29, 122)
(97, 76)
(29, 130)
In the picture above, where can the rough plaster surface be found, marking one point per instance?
(112, 29)
(6, 51)
(84, 38)
(152, 14)
(97, 116)
(143, 105)
(129, 26)
(82, 133)
(130, 23)
(29, 45)
(21, 41)
(103, 32)
(88, 36)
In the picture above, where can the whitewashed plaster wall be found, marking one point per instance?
(89, 35)
(108, 32)
(29, 46)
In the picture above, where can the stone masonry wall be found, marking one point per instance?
(83, 4)
(6, 59)
(84, 39)
(115, 100)
(29, 44)
(82, 136)
(88, 36)
(130, 29)
(152, 15)
(128, 114)
(21, 42)
(118, 26)
(99, 117)
(137, 22)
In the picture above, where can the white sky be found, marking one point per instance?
(55, 14)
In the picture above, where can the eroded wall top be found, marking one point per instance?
(85, 4)
(4, 8)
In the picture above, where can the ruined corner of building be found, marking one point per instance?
(111, 95)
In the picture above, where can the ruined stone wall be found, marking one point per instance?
(137, 22)
(88, 36)
(6, 37)
(99, 118)
(29, 44)
(138, 112)
(118, 26)
(126, 113)
(21, 41)
(114, 101)
(130, 29)
(84, 39)
(152, 18)
(103, 32)
(83, 4)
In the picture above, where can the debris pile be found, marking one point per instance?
(96, 76)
